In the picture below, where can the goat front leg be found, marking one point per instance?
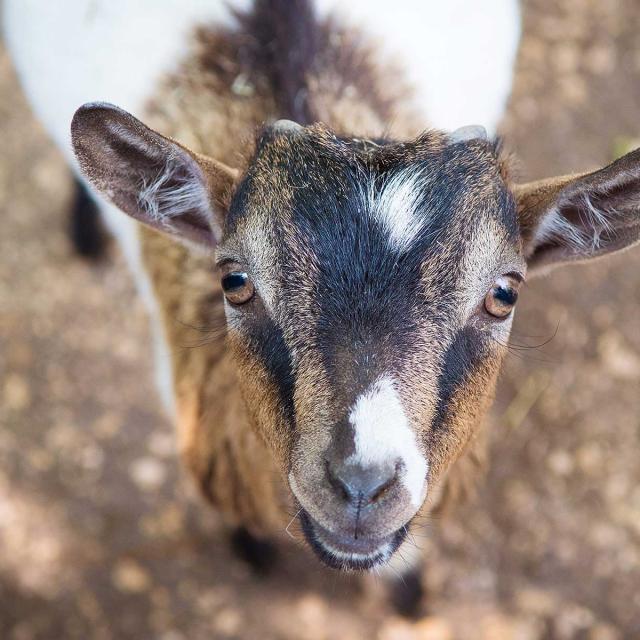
(218, 475)
(234, 474)
(259, 553)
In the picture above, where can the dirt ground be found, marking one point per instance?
(100, 533)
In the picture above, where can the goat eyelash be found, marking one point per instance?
(516, 275)
(228, 259)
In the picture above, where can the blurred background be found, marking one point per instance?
(100, 533)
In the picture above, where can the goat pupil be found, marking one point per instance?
(505, 295)
(234, 281)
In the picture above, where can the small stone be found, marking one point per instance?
(536, 601)
(560, 462)
(17, 395)
(572, 620)
(589, 458)
(396, 629)
(618, 358)
(128, 575)
(433, 628)
(228, 621)
(312, 611)
(148, 473)
(604, 632)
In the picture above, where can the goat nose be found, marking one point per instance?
(361, 485)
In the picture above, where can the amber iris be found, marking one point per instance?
(502, 297)
(237, 286)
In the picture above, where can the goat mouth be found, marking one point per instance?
(345, 554)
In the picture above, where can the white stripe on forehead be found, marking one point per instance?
(383, 436)
(395, 206)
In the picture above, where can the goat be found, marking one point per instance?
(368, 271)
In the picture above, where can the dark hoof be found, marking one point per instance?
(407, 595)
(259, 554)
(88, 236)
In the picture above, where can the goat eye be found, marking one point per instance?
(502, 297)
(237, 286)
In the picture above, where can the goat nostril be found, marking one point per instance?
(339, 485)
(361, 485)
(383, 489)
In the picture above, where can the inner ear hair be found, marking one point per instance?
(152, 178)
(580, 217)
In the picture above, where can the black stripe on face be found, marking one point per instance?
(367, 317)
(459, 362)
(369, 294)
(267, 343)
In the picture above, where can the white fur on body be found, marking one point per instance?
(458, 55)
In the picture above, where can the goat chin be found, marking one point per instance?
(349, 553)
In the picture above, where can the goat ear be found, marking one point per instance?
(152, 178)
(576, 218)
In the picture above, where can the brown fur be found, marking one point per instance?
(272, 396)
(195, 106)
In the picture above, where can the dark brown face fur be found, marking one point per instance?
(367, 331)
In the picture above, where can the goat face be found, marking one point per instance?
(369, 293)
(356, 276)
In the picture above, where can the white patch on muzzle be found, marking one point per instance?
(383, 436)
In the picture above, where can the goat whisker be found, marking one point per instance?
(290, 523)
